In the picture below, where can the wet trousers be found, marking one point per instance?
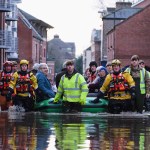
(26, 102)
(118, 106)
(71, 107)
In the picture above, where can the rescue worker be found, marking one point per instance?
(23, 84)
(142, 65)
(74, 89)
(142, 83)
(5, 76)
(14, 66)
(147, 100)
(120, 89)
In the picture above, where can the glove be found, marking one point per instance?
(96, 100)
(56, 101)
(147, 95)
(132, 92)
(9, 96)
(36, 91)
(133, 96)
(82, 102)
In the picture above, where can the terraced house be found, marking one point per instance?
(22, 36)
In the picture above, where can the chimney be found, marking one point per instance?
(56, 36)
(120, 5)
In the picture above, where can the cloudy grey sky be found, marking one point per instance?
(73, 20)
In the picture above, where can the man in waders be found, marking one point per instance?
(74, 89)
(142, 83)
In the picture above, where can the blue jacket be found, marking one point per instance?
(44, 84)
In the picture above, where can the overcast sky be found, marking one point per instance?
(73, 20)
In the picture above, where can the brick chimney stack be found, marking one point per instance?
(120, 5)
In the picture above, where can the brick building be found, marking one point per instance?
(131, 37)
(113, 17)
(32, 33)
(141, 3)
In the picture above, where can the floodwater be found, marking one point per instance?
(47, 131)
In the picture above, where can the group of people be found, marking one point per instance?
(23, 87)
(126, 89)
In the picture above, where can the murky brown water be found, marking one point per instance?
(41, 131)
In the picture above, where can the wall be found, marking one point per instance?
(132, 37)
(24, 42)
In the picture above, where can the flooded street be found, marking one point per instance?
(41, 131)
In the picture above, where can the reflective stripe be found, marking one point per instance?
(148, 74)
(82, 84)
(71, 96)
(59, 92)
(120, 95)
(72, 89)
(63, 77)
(142, 81)
(85, 90)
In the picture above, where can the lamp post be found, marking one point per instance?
(114, 38)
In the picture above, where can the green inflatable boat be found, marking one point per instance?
(49, 107)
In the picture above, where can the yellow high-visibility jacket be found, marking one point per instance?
(144, 79)
(73, 90)
(118, 95)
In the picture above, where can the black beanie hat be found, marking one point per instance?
(93, 63)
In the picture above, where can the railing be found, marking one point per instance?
(13, 15)
(5, 39)
(16, 1)
(4, 6)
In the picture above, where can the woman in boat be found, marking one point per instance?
(92, 69)
(44, 86)
(98, 82)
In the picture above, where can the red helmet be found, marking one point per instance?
(7, 63)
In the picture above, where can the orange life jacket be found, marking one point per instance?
(24, 84)
(118, 83)
(4, 82)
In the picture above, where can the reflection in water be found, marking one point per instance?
(41, 131)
